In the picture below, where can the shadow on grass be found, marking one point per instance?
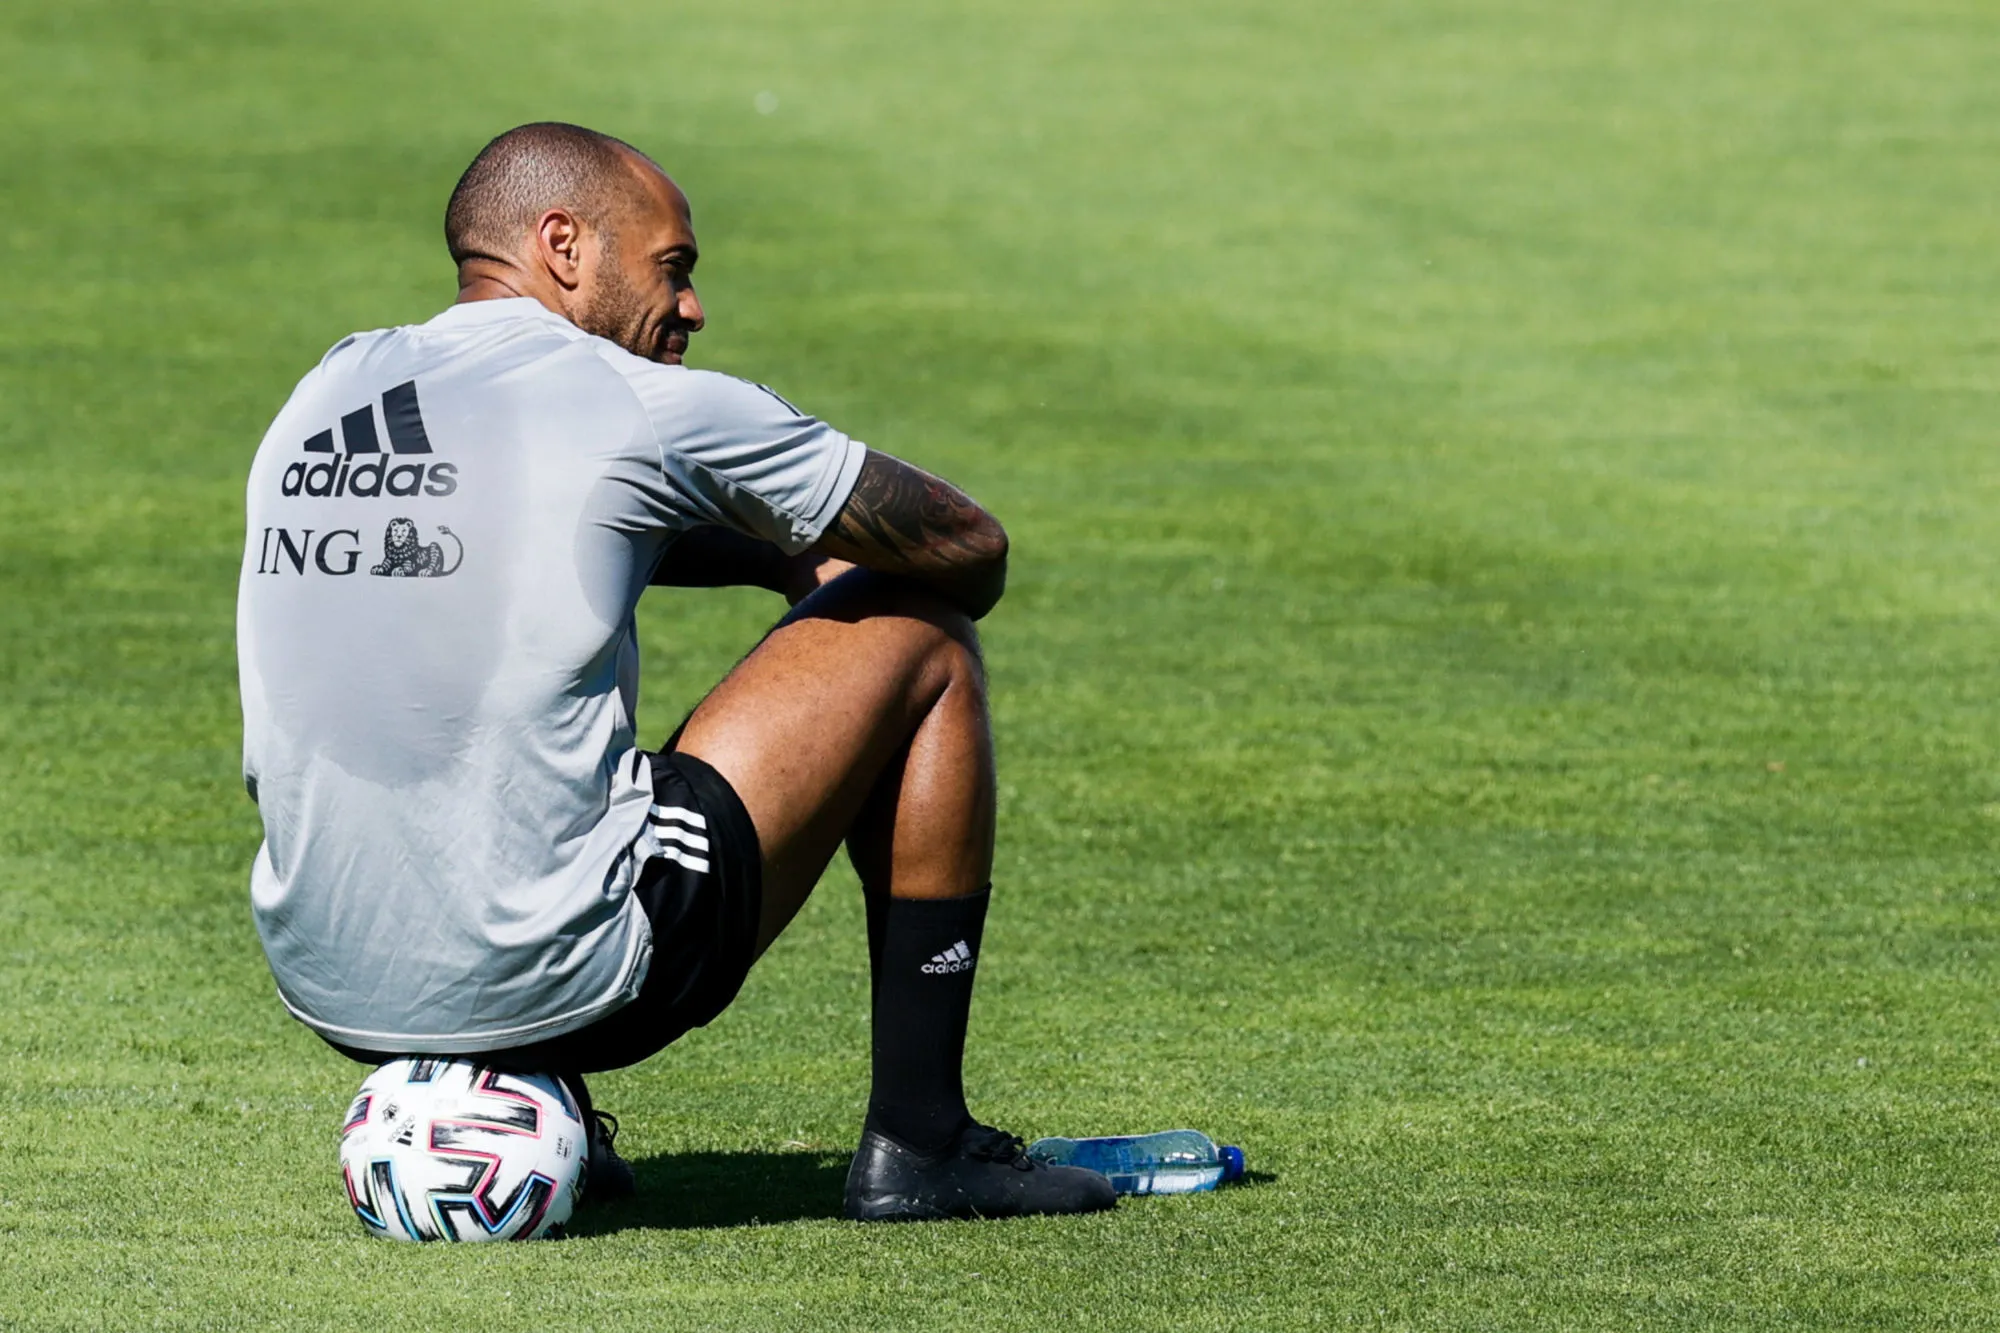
(696, 1190)
(693, 1190)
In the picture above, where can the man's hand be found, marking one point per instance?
(809, 571)
(900, 519)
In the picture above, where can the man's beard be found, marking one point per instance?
(615, 311)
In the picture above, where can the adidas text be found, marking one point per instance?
(369, 478)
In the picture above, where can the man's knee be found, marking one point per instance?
(946, 641)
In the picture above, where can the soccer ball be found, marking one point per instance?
(437, 1149)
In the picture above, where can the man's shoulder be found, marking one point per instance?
(463, 348)
(681, 399)
(463, 355)
(477, 322)
(675, 392)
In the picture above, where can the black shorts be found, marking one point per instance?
(703, 901)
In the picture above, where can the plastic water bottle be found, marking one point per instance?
(1178, 1161)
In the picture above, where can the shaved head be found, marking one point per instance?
(529, 170)
(585, 224)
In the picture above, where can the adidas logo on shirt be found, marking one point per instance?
(958, 958)
(360, 468)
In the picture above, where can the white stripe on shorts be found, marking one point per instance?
(695, 863)
(668, 833)
(681, 813)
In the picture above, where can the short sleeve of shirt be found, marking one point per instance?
(735, 454)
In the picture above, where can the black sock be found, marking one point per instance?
(578, 1090)
(923, 997)
(877, 905)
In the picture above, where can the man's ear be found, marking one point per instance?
(559, 245)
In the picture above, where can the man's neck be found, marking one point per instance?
(485, 289)
(484, 280)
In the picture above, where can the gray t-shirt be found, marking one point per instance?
(449, 527)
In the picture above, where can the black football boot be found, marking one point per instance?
(984, 1172)
(610, 1176)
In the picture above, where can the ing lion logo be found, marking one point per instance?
(404, 557)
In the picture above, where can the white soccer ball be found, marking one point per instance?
(436, 1149)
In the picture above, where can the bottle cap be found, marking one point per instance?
(1232, 1164)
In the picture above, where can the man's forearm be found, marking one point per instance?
(901, 520)
(975, 589)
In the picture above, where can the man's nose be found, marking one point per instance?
(690, 311)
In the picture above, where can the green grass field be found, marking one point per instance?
(1495, 702)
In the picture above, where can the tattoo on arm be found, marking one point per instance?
(914, 518)
(900, 519)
